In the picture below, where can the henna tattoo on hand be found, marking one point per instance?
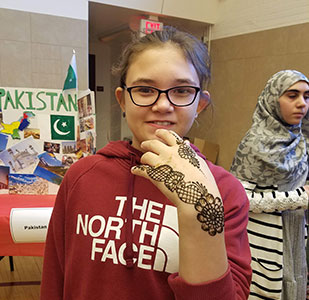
(211, 214)
(185, 151)
(210, 210)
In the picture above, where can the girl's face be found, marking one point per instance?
(163, 68)
(294, 103)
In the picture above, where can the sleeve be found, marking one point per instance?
(272, 200)
(235, 283)
(207, 291)
(53, 265)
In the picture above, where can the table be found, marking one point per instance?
(7, 202)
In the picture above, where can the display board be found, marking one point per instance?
(42, 133)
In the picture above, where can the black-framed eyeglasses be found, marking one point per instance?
(178, 96)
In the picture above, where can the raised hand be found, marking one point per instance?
(183, 177)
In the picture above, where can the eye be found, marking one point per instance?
(183, 91)
(306, 96)
(292, 95)
(144, 90)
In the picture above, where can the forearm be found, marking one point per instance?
(202, 257)
(271, 201)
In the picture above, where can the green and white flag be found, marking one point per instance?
(62, 127)
(71, 79)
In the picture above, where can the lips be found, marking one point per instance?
(298, 114)
(161, 124)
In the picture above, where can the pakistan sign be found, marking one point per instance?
(37, 100)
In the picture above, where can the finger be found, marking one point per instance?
(150, 173)
(155, 176)
(140, 170)
(154, 146)
(187, 142)
(170, 137)
(150, 158)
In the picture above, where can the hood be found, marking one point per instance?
(121, 150)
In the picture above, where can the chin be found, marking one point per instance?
(295, 122)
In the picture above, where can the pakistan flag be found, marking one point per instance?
(71, 79)
(62, 127)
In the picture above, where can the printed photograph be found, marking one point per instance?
(47, 174)
(35, 132)
(27, 184)
(90, 147)
(4, 179)
(81, 125)
(22, 157)
(68, 160)
(85, 106)
(88, 123)
(3, 141)
(68, 147)
(50, 168)
(51, 147)
(81, 145)
(49, 159)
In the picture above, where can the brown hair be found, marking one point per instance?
(194, 50)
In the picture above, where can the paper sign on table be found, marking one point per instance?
(29, 225)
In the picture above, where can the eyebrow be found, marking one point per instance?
(296, 91)
(143, 81)
(292, 90)
(153, 82)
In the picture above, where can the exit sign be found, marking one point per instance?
(149, 26)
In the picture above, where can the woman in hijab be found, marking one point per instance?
(272, 164)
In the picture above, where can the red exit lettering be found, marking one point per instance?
(151, 27)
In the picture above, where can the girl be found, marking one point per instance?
(271, 162)
(151, 219)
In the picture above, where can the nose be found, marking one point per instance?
(163, 104)
(301, 101)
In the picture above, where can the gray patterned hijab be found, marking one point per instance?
(272, 151)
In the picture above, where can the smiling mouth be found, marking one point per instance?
(162, 123)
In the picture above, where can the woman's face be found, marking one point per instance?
(163, 68)
(294, 103)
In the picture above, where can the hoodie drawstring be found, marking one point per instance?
(128, 252)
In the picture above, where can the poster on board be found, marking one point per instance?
(42, 133)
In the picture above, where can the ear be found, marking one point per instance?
(203, 102)
(120, 97)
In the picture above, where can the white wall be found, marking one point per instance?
(231, 17)
(237, 17)
(198, 10)
(143, 5)
(76, 9)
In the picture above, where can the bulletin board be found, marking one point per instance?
(42, 133)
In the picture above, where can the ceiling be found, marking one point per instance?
(107, 22)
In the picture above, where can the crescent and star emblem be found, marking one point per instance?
(57, 130)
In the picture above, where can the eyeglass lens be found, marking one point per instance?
(181, 96)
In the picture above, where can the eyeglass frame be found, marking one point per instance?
(197, 90)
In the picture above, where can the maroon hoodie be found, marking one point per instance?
(86, 257)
